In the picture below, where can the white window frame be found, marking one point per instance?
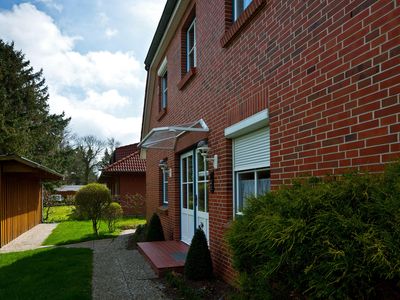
(192, 26)
(164, 90)
(162, 72)
(237, 7)
(164, 182)
(248, 125)
(236, 196)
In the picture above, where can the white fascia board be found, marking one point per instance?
(170, 30)
(163, 68)
(247, 125)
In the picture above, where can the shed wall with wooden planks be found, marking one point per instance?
(20, 205)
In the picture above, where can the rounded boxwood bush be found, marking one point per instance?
(91, 200)
(198, 265)
(154, 229)
(336, 238)
(111, 214)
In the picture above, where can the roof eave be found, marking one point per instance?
(162, 26)
(46, 173)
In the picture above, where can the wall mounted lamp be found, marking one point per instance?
(203, 149)
(164, 167)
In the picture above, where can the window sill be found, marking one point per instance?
(233, 31)
(161, 114)
(188, 76)
(163, 210)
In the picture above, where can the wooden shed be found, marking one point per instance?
(21, 195)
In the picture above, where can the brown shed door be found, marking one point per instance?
(20, 205)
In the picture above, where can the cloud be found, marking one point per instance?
(51, 4)
(94, 88)
(110, 32)
(92, 116)
(146, 12)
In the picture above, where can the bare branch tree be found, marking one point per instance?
(89, 148)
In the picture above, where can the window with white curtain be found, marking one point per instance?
(251, 183)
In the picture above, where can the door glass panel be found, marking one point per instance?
(190, 195)
(263, 182)
(201, 196)
(200, 166)
(184, 195)
(246, 185)
(206, 197)
(184, 162)
(190, 168)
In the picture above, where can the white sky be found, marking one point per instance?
(91, 53)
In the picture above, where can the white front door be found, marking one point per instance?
(201, 193)
(194, 195)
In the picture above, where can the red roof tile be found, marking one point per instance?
(130, 163)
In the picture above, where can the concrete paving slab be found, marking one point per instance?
(32, 239)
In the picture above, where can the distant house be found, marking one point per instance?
(21, 195)
(126, 178)
(65, 191)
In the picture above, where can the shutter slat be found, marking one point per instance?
(252, 150)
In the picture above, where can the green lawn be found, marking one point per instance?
(59, 213)
(52, 273)
(69, 232)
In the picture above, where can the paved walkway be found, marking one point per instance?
(119, 273)
(32, 239)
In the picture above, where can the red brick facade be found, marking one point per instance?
(328, 71)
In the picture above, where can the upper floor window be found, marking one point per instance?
(191, 46)
(238, 7)
(163, 82)
(164, 91)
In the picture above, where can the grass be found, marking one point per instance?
(52, 273)
(60, 213)
(69, 232)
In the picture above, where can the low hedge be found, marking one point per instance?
(335, 238)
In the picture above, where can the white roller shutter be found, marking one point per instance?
(252, 150)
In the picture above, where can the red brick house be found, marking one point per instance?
(126, 178)
(242, 96)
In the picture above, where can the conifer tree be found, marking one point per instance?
(27, 128)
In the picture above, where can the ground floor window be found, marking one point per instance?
(165, 174)
(250, 158)
(251, 183)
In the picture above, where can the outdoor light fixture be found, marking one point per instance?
(203, 149)
(164, 167)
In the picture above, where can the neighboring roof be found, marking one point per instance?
(68, 188)
(166, 137)
(123, 151)
(44, 172)
(129, 164)
(162, 26)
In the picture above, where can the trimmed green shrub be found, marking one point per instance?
(91, 201)
(337, 238)
(111, 214)
(154, 229)
(198, 265)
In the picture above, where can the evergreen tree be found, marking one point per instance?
(26, 126)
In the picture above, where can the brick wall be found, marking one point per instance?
(132, 184)
(328, 72)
